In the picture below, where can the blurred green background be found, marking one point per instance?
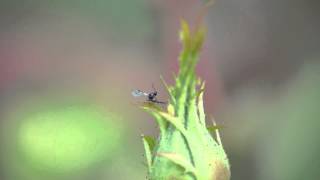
(67, 69)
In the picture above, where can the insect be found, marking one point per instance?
(151, 97)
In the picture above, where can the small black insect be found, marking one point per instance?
(151, 97)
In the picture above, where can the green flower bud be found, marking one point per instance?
(185, 149)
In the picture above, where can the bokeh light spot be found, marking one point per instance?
(68, 139)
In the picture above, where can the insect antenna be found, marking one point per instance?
(154, 89)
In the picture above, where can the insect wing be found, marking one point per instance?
(138, 93)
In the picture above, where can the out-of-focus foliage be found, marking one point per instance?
(60, 141)
(126, 19)
(68, 138)
(277, 134)
(290, 149)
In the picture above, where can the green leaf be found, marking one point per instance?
(169, 90)
(180, 161)
(185, 36)
(213, 128)
(151, 141)
(153, 110)
(201, 113)
(176, 122)
(148, 144)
